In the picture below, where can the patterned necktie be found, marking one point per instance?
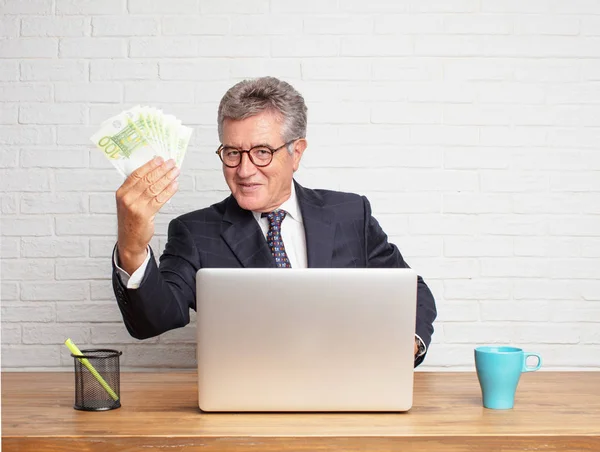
(274, 239)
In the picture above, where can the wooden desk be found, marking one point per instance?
(554, 411)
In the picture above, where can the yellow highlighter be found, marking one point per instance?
(75, 351)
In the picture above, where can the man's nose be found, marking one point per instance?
(246, 167)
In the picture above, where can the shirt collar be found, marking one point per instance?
(290, 206)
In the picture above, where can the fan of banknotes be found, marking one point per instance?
(137, 135)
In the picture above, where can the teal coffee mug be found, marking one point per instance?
(498, 371)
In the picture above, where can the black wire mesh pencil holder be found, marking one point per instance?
(97, 380)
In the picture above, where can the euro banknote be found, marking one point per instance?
(136, 136)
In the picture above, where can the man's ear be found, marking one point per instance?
(299, 148)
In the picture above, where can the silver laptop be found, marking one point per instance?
(305, 339)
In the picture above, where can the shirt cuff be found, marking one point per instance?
(423, 344)
(134, 280)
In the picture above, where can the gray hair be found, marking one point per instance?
(251, 97)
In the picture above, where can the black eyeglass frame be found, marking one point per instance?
(248, 151)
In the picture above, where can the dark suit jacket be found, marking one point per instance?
(340, 232)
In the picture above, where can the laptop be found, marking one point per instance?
(318, 340)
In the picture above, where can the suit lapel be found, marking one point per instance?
(318, 227)
(244, 237)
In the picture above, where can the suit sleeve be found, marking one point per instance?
(167, 292)
(381, 253)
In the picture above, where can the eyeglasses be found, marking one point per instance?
(259, 155)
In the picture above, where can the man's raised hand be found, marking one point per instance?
(139, 199)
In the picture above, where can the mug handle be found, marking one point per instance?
(526, 368)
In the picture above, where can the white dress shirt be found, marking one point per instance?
(292, 231)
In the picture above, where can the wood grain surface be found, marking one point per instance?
(553, 412)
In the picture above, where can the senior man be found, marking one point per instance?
(262, 129)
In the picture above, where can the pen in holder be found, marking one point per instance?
(97, 378)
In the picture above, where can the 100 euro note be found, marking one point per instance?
(137, 135)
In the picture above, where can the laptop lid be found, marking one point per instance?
(305, 339)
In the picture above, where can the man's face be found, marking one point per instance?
(261, 189)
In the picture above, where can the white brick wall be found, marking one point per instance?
(480, 120)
